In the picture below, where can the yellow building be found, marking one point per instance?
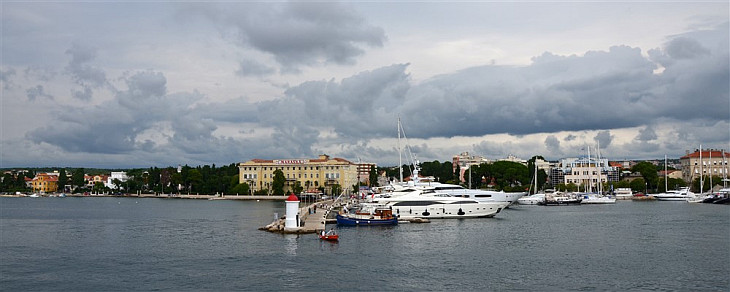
(310, 173)
(44, 182)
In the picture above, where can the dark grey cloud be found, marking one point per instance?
(6, 76)
(553, 145)
(604, 138)
(37, 91)
(83, 72)
(646, 134)
(298, 33)
(254, 68)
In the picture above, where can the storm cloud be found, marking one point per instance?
(235, 81)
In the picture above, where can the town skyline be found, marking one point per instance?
(135, 85)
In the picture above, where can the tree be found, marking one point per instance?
(195, 179)
(77, 178)
(242, 188)
(62, 180)
(297, 188)
(649, 172)
(278, 183)
(638, 185)
(336, 190)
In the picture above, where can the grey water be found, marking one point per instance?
(131, 244)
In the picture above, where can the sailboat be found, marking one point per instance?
(598, 197)
(674, 195)
(536, 198)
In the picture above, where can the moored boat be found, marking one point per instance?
(380, 216)
(559, 199)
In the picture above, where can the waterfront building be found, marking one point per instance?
(585, 171)
(714, 162)
(464, 160)
(45, 182)
(92, 180)
(310, 173)
(363, 171)
(118, 175)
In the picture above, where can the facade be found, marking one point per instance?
(119, 175)
(585, 171)
(713, 162)
(464, 160)
(310, 173)
(92, 180)
(45, 182)
(363, 171)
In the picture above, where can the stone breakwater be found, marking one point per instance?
(312, 218)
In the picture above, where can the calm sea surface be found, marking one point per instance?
(103, 244)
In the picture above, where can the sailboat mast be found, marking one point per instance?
(724, 170)
(701, 170)
(665, 173)
(400, 153)
(711, 167)
(590, 177)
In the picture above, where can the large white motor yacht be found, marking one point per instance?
(425, 203)
(675, 195)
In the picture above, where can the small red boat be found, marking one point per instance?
(329, 236)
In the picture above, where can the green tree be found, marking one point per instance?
(297, 187)
(648, 171)
(278, 183)
(242, 188)
(77, 178)
(62, 180)
(336, 190)
(195, 180)
(638, 185)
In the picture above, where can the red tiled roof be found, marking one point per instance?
(706, 154)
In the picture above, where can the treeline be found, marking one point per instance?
(207, 179)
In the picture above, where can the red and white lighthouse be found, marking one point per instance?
(292, 212)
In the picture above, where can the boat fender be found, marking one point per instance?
(461, 212)
(425, 213)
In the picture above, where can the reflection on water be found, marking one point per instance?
(291, 244)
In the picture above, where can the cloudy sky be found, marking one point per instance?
(131, 84)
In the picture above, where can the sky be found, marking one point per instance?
(131, 84)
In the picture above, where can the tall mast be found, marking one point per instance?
(724, 170)
(701, 174)
(665, 173)
(711, 167)
(590, 177)
(400, 153)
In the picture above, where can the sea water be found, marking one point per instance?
(132, 244)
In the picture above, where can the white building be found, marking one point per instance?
(583, 171)
(120, 175)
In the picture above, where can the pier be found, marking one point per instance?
(312, 219)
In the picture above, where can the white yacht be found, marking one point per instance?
(425, 203)
(460, 191)
(536, 199)
(623, 193)
(593, 198)
(675, 195)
